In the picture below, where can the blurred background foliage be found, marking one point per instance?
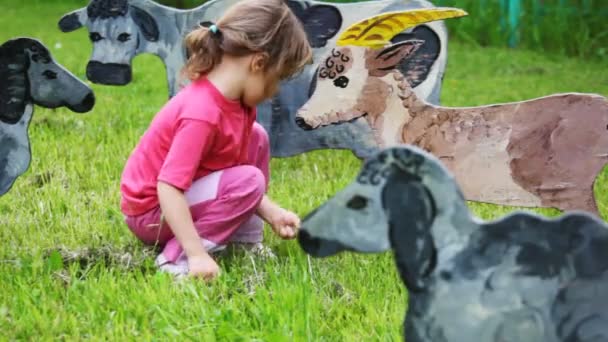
(576, 28)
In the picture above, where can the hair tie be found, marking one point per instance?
(213, 28)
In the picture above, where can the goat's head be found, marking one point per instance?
(352, 80)
(29, 74)
(117, 31)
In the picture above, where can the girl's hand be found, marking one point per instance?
(284, 223)
(203, 266)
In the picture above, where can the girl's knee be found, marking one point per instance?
(246, 179)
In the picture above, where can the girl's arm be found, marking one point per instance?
(175, 208)
(176, 211)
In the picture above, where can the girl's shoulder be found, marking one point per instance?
(196, 101)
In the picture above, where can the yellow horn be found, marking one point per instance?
(377, 31)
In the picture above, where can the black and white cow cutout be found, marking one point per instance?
(121, 29)
(29, 76)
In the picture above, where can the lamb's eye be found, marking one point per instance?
(341, 82)
(357, 202)
(123, 37)
(50, 75)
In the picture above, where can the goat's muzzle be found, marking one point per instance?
(302, 124)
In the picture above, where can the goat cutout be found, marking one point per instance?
(522, 277)
(525, 153)
(110, 62)
(28, 76)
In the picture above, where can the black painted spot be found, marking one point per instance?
(357, 202)
(321, 22)
(104, 9)
(49, 74)
(146, 23)
(341, 82)
(70, 23)
(109, 73)
(14, 82)
(406, 200)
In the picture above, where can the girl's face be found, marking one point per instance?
(260, 84)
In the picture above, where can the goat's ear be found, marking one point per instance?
(411, 209)
(72, 21)
(14, 84)
(146, 23)
(381, 62)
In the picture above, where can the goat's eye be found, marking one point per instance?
(341, 82)
(95, 37)
(50, 75)
(123, 37)
(357, 202)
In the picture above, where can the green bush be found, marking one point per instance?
(568, 27)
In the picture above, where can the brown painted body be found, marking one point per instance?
(544, 152)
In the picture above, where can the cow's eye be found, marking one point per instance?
(357, 202)
(123, 37)
(95, 36)
(50, 75)
(341, 82)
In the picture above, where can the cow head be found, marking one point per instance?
(117, 30)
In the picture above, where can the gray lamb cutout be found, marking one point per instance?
(28, 76)
(122, 29)
(520, 278)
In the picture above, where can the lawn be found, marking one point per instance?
(69, 199)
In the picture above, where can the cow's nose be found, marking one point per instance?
(302, 124)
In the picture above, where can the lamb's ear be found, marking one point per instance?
(72, 21)
(411, 209)
(14, 83)
(381, 62)
(146, 23)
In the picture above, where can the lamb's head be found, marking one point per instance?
(118, 32)
(353, 79)
(399, 198)
(28, 74)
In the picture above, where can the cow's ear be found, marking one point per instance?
(321, 22)
(146, 23)
(71, 21)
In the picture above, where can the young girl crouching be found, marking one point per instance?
(197, 179)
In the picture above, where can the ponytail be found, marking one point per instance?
(204, 48)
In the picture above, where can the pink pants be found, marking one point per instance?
(222, 204)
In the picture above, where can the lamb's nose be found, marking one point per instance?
(308, 243)
(302, 124)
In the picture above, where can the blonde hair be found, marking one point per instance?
(251, 26)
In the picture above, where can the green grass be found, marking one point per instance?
(70, 198)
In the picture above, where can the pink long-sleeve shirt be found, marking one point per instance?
(197, 132)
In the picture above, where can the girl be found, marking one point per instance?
(198, 176)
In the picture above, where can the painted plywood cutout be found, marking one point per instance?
(522, 277)
(543, 152)
(29, 76)
(121, 29)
